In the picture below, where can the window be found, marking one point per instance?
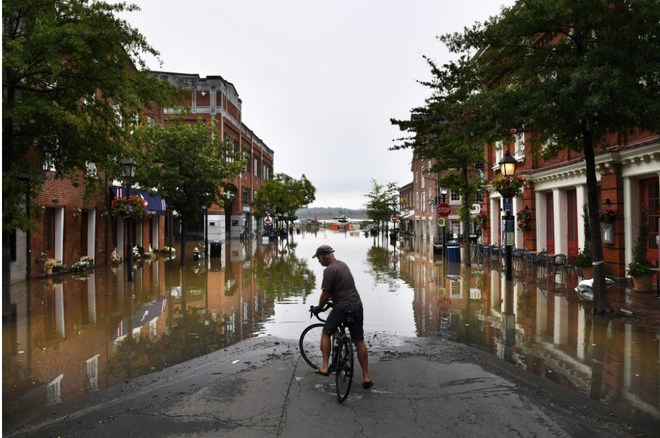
(245, 196)
(231, 140)
(257, 167)
(455, 197)
(91, 170)
(423, 201)
(519, 144)
(423, 179)
(266, 174)
(499, 153)
(246, 155)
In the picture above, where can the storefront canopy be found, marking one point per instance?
(155, 204)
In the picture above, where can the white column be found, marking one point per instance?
(581, 199)
(495, 218)
(155, 228)
(59, 233)
(541, 222)
(560, 220)
(630, 198)
(519, 237)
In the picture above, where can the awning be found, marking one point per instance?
(155, 204)
(407, 217)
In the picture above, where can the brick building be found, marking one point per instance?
(214, 98)
(627, 173)
(70, 226)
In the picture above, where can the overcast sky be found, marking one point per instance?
(319, 80)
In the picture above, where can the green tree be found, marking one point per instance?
(70, 95)
(286, 195)
(380, 202)
(571, 73)
(447, 130)
(188, 165)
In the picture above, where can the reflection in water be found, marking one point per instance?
(84, 333)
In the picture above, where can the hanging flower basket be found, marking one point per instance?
(508, 186)
(524, 219)
(481, 219)
(607, 217)
(132, 208)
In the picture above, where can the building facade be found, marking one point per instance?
(213, 98)
(70, 226)
(628, 175)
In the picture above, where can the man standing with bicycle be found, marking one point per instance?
(338, 285)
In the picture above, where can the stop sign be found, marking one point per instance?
(395, 218)
(444, 210)
(267, 221)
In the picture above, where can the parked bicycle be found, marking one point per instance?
(341, 353)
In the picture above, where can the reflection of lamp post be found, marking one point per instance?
(508, 168)
(394, 219)
(128, 174)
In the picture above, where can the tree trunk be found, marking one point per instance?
(601, 299)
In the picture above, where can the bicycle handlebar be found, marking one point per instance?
(327, 306)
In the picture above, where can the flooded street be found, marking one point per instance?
(75, 334)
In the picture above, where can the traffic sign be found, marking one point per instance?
(395, 218)
(441, 221)
(268, 222)
(444, 210)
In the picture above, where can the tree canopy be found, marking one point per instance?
(74, 83)
(381, 201)
(285, 195)
(571, 74)
(188, 165)
(448, 130)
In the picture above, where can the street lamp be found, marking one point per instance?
(508, 168)
(128, 174)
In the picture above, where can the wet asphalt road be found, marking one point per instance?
(261, 387)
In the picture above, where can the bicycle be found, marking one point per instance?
(341, 353)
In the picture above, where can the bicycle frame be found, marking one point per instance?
(341, 354)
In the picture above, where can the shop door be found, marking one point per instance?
(651, 198)
(572, 216)
(550, 222)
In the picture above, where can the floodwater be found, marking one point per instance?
(75, 334)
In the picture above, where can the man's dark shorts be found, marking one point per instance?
(337, 315)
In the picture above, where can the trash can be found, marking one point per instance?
(216, 248)
(271, 237)
(453, 252)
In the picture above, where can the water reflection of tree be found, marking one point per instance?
(381, 268)
(193, 334)
(283, 275)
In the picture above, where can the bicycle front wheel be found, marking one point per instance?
(310, 345)
(344, 369)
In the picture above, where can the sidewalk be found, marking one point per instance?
(262, 388)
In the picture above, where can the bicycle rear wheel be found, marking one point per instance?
(344, 369)
(310, 345)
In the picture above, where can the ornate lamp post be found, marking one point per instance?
(128, 174)
(508, 168)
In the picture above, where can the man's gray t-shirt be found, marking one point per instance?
(339, 282)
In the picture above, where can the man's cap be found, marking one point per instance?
(323, 250)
